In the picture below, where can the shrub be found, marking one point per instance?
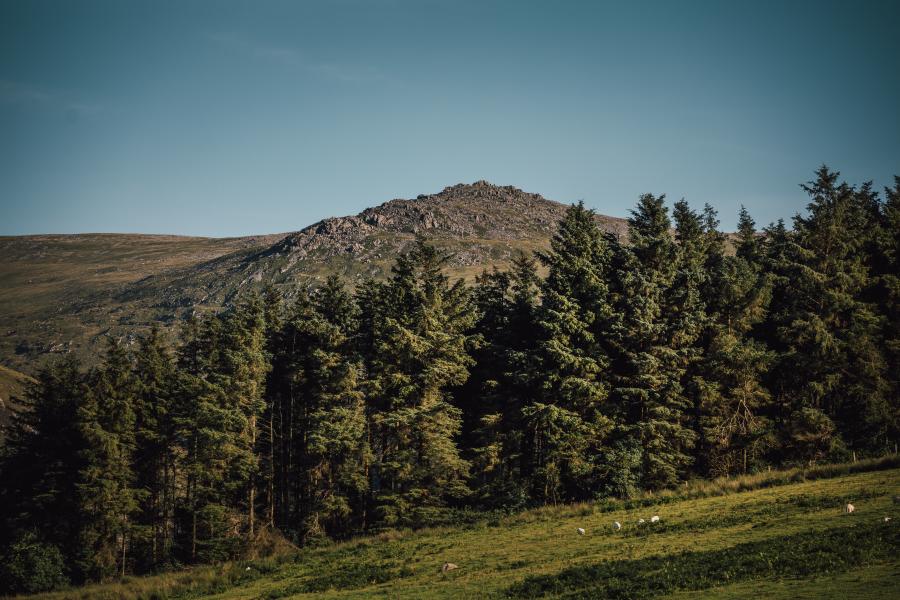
(30, 566)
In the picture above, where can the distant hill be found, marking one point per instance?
(66, 293)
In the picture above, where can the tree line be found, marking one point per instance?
(600, 367)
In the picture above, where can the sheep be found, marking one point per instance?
(641, 521)
(580, 531)
(448, 566)
(849, 508)
(887, 519)
(654, 519)
(616, 525)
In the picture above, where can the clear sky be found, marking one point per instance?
(230, 118)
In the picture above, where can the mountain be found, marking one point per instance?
(66, 293)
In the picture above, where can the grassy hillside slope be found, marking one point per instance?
(12, 385)
(780, 539)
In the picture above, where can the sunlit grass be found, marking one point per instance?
(499, 552)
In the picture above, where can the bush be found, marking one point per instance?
(30, 566)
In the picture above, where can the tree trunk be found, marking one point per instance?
(251, 517)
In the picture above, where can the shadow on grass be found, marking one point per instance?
(801, 555)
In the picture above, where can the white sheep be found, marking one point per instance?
(616, 525)
(448, 566)
(580, 531)
(641, 521)
(849, 508)
(887, 519)
(654, 519)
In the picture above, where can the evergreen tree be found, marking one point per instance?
(419, 351)
(887, 296)
(272, 425)
(502, 382)
(156, 452)
(648, 395)
(242, 376)
(733, 404)
(105, 489)
(337, 453)
(208, 425)
(574, 316)
(41, 459)
(830, 361)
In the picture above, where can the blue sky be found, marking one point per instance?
(231, 118)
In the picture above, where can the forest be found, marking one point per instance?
(599, 368)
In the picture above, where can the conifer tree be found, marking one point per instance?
(648, 395)
(503, 381)
(208, 424)
(574, 316)
(419, 342)
(156, 451)
(105, 488)
(41, 459)
(337, 451)
(830, 371)
(887, 282)
(244, 367)
(732, 402)
(272, 425)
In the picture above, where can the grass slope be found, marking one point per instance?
(12, 385)
(784, 537)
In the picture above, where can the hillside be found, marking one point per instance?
(12, 384)
(66, 293)
(774, 535)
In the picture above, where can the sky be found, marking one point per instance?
(227, 118)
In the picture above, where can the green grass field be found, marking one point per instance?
(774, 535)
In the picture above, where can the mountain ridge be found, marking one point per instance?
(64, 294)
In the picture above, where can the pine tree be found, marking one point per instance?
(337, 452)
(749, 245)
(243, 370)
(208, 423)
(733, 404)
(503, 381)
(41, 459)
(574, 316)
(648, 396)
(156, 452)
(105, 489)
(272, 426)
(830, 371)
(418, 352)
(887, 271)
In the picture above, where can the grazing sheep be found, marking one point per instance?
(887, 519)
(849, 508)
(448, 567)
(641, 521)
(616, 525)
(654, 519)
(580, 531)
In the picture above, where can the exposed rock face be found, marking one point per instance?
(463, 213)
(162, 279)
